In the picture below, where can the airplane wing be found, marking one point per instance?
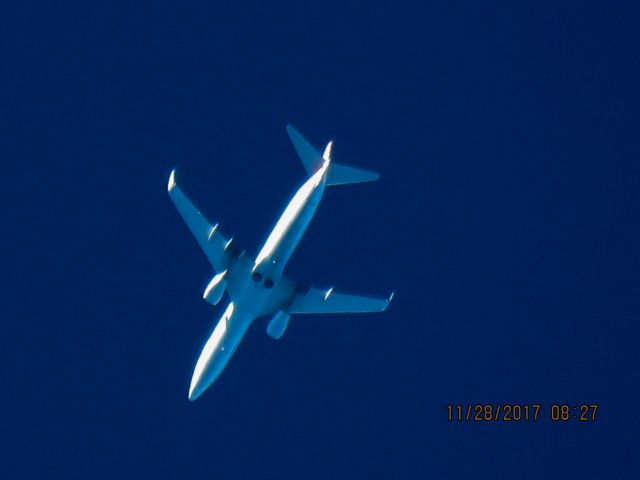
(215, 246)
(315, 300)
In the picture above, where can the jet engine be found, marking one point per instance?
(214, 291)
(278, 324)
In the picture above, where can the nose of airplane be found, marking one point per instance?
(195, 389)
(216, 352)
(205, 372)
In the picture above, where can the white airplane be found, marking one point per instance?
(258, 287)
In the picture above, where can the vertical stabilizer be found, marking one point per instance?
(312, 160)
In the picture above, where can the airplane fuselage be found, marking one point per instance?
(257, 288)
(290, 228)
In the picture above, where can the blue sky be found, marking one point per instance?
(506, 219)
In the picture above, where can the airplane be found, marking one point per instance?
(258, 287)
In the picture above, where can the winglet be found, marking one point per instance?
(172, 180)
(327, 151)
(389, 299)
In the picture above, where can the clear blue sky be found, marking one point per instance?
(506, 219)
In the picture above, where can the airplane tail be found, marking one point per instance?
(312, 160)
(343, 175)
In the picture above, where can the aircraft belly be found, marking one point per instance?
(218, 349)
(296, 229)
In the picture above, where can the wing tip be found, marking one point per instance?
(172, 180)
(391, 295)
(328, 151)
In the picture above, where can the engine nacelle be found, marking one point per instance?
(278, 324)
(214, 291)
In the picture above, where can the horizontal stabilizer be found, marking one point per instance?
(310, 157)
(342, 175)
